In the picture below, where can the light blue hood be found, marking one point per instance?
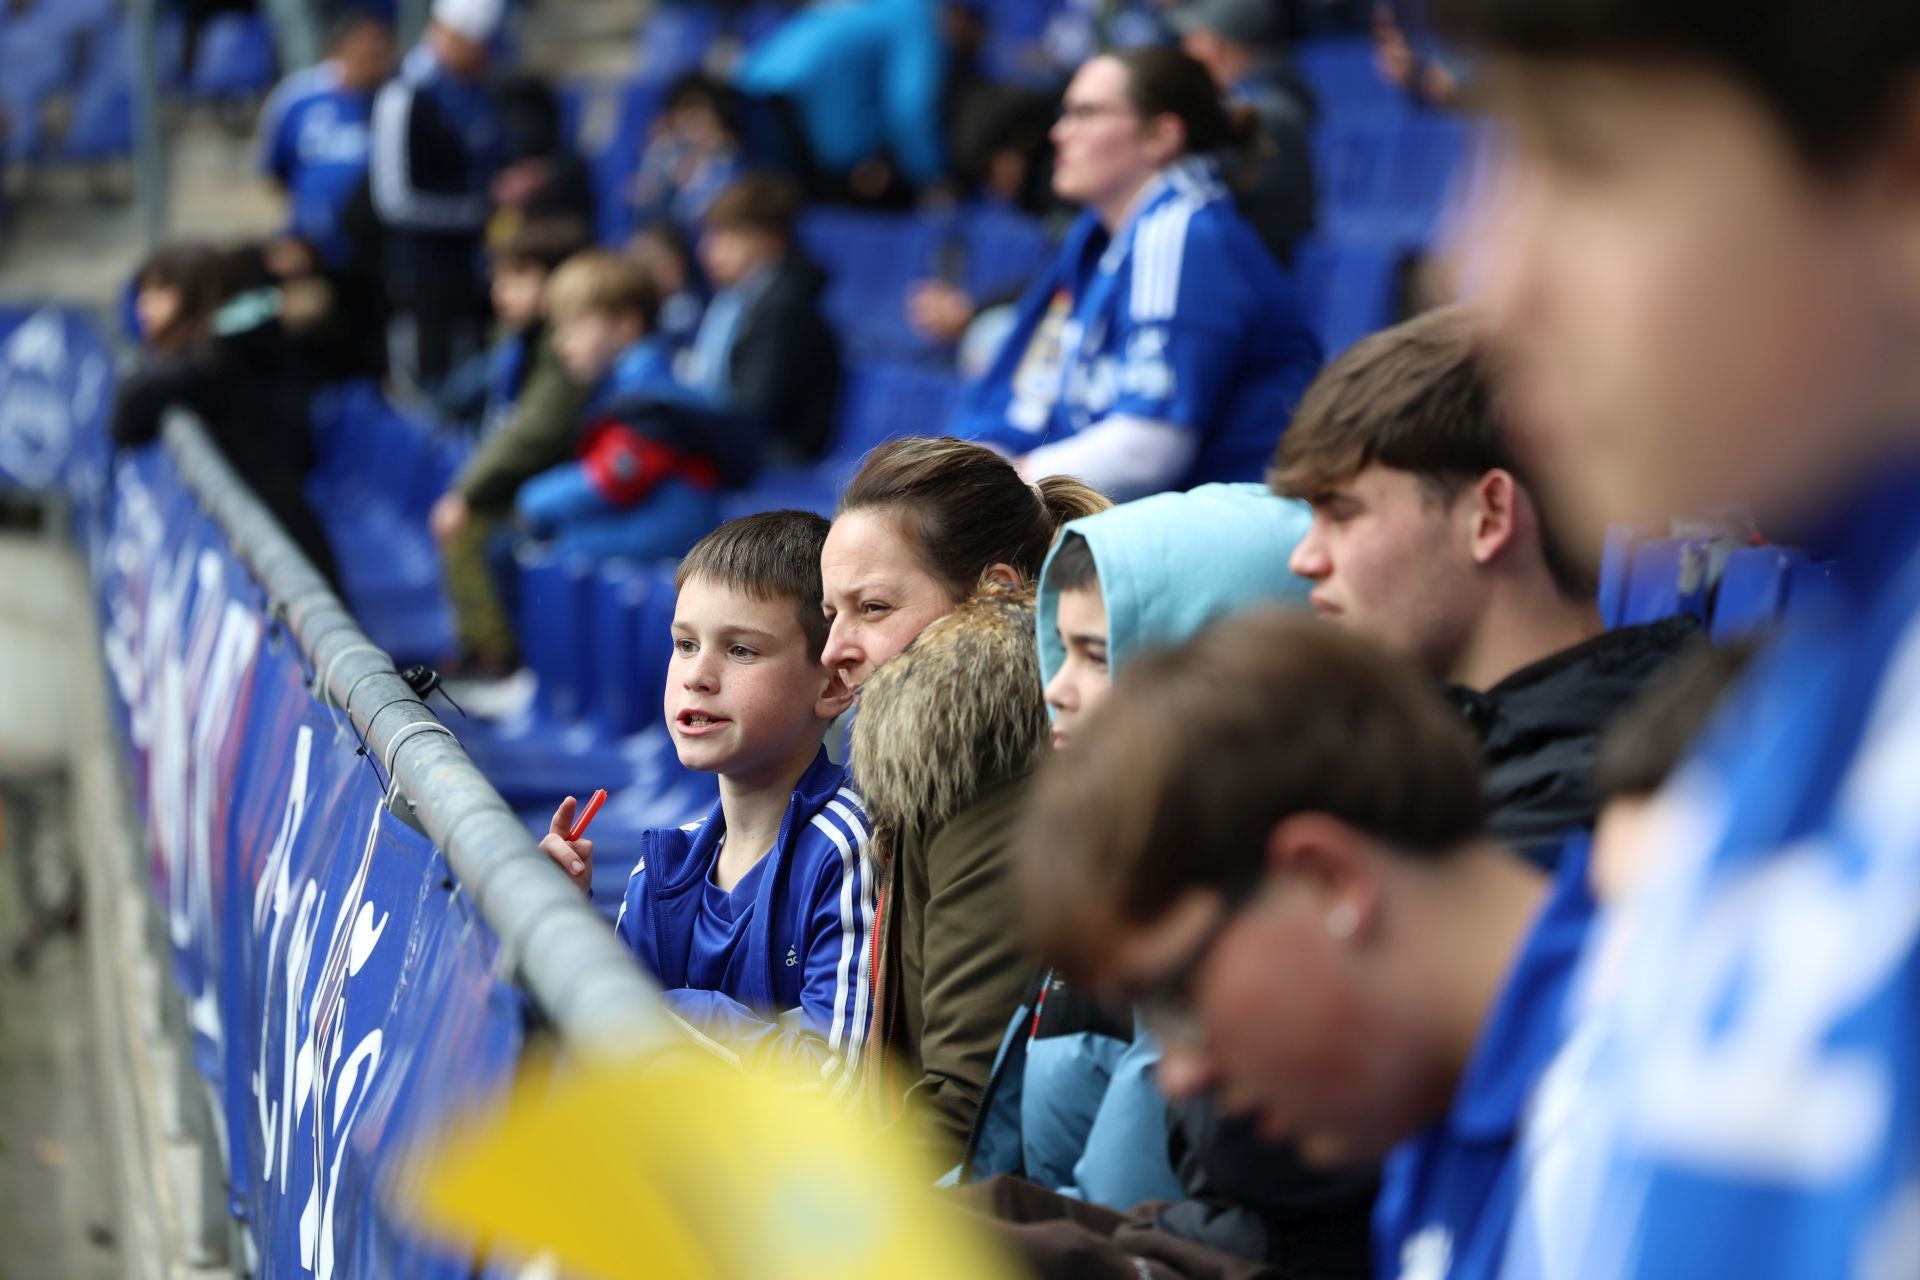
(1174, 562)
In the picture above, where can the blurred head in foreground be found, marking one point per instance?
(1701, 252)
(1270, 841)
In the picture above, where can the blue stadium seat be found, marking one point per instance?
(1752, 594)
(1340, 71)
(1353, 166)
(1003, 250)
(1811, 589)
(870, 259)
(36, 62)
(1667, 576)
(674, 40)
(1428, 155)
(1349, 290)
(617, 599)
(756, 22)
(235, 58)
(551, 622)
(1616, 557)
(101, 124)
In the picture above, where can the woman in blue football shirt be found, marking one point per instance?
(1164, 347)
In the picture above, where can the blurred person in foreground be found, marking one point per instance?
(1279, 797)
(1702, 271)
(438, 139)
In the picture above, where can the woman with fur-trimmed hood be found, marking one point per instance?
(925, 575)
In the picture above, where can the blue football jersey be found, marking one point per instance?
(1740, 1095)
(314, 139)
(1181, 317)
(1447, 1196)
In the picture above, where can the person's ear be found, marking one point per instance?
(1331, 868)
(1166, 136)
(1003, 574)
(835, 695)
(1497, 501)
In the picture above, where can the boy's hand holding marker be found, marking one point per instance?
(564, 843)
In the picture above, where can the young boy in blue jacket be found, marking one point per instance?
(757, 918)
(1071, 1103)
(651, 456)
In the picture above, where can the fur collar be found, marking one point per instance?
(959, 710)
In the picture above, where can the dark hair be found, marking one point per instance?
(543, 244)
(1202, 750)
(1416, 398)
(1646, 742)
(1166, 81)
(349, 19)
(198, 271)
(1072, 566)
(965, 509)
(530, 114)
(772, 556)
(758, 202)
(603, 282)
(698, 89)
(1828, 70)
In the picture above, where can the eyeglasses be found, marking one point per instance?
(1166, 1004)
(1079, 112)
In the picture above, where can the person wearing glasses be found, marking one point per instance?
(1274, 848)
(1164, 347)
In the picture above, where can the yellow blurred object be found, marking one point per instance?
(684, 1166)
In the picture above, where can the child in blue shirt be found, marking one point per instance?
(651, 456)
(757, 918)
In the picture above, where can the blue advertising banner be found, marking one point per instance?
(341, 990)
(56, 377)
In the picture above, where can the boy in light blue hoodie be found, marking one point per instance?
(1071, 1103)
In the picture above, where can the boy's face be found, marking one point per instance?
(517, 290)
(729, 254)
(1689, 318)
(589, 341)
(745, 696)
(1390, 559)
(1314, 1058)
(1083, 682)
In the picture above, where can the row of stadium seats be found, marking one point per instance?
(82, 49)
(1735, 591)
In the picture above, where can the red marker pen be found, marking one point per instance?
(586, 815)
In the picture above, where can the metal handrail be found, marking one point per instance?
(562, 952)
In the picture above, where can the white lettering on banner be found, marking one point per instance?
(233, 653)
(356, 932)
(36, 429)
(338, 1089)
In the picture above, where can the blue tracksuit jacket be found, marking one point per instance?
(807, 998)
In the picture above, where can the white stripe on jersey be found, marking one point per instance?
(849, 927)
(1159, 248)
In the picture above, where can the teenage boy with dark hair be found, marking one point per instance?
(1284, 797)
(757, 919)
(531, 420)
(1703, 290)
(763, 351)
(1428, 537)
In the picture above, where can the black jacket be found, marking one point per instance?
(250, 386)
(1540, 727)
(785, 363)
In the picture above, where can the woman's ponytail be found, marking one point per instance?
(1064, 498)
